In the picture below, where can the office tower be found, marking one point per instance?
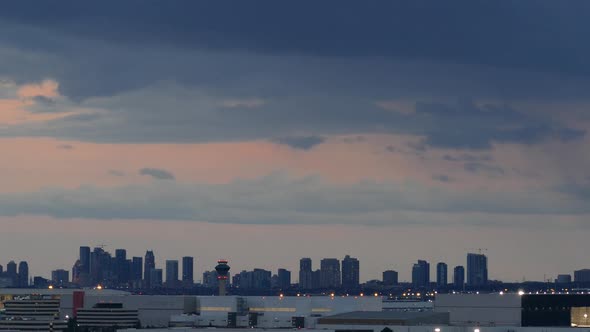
(316, 278)
(421, 274)
(23, 274)
(284, 279)
(155, 278)
(350, 272)
(441, 274)
(563, 279)
(330, 273)
(1, 269)
(172, 273)
(187, 271)
(60, 277)
(136, 268)
(459, 277)
(85, 259)
(477, 270)
(100, 266)
(582, 275)
(121, 268)
(11, 273)
(149, 264)
(222, 270)
(305, 273)
(390, 278)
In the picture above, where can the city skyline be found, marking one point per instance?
(266, 133)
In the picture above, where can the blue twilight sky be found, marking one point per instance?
(297, 128)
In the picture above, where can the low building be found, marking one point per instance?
(103, 315)
(357, 319)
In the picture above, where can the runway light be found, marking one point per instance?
(520, 293)
(501, 293)
(476, 330)
(362, 294)
(50, 287)
(437, 329)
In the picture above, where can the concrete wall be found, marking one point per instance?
(480, 309)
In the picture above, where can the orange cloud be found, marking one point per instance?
(47, 88)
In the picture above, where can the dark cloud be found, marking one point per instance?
(300, 142)
(467, 157)
(65, 147)
(156, 173)
(525, 34)
(480, 168)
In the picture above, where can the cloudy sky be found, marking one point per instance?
(266, 131)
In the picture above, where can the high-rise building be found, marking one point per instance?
(187, 271)
(149, 265)
(330, 273)
(459, 277)
(350, 272)
(100, 266)
(390, 278)
(172, 273)
(136, 269)
(421, 274)
(563, 279)
(305, 273)
(121, 267)
(316, 279)
(582, 275)
(441, 274)
(85, 259)
(23, 274)
(155, 278)
(60, 277)
(477, 270)
(1, 269)
(11, 273)
(210, 279)
(284, 278)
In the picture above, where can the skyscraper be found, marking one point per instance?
(421, 274)
(85, 260)
(187, 271)
(155, 278)
(305, 273)
(350, 272)
(23, 274)
(121, 267)
(459, 277)
(136, 268)
(172, 273)
(150, 264)
(284, 278)
(60, 277)
(330, 273)
(11, 273)
(441, 274)
(582, 275)
(390, 278)
(477, 270)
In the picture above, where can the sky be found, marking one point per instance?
(263, 132)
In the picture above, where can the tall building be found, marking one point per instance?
(136, 269)
(121, 266)
(459, 277)
(60, 277)
(85, 259)
(149, 265)
(11, 273)
(23, 274)
(477, 270)
(172, 273)
(350, 272)
(390, 278)
(330, 273)
(284, 278)
(316, 278)
(305, 273)
(187, 271)
(421, 274)
(582, 275)
(441, 274)
(210, 279)
(100, 266)
(155, 278)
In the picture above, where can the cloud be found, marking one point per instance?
(243, 103)
(157, 173)
(65, 147)
(442, 178)
(300, 142)
(115, 172)
(480, 168)
(280, 199)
